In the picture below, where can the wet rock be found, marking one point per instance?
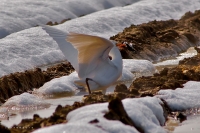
(56, 23)
(59, 116)
(192, 61)
(144, 86)
(121, 88)
(181, 117)
(120, 92)
(168, 78)
(4, 129)
(59, 70)
(96, 97)
(152, 41)
(49, 23)
(19, 82)
(160, 39)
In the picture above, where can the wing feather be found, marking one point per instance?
(84, 52)
(67, 48)
(91, 51)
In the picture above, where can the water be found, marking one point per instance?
(191, 125)
(175, 60)
(32, 47)
(16, 117)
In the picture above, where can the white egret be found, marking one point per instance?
(89, 55)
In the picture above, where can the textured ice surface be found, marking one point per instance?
(21, 103)
(182, 98)
(170, 62)
(60, 85)
(139, 67)
(33, 47)
(191, 125)
(146, 113)
(23, 14)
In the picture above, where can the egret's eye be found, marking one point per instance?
(110, 57)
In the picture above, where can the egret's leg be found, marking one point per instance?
(86, 80)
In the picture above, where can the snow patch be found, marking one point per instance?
(146, 112)
(29, 13)
(182, 98)
(60, 85)
(33, 47)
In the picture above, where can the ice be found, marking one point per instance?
(141, 67)
(23, 100)
(21, 103)
(33, 47)
(191, 125)
(23, 14)
(66, 85)
(171, 62)
(114, 20)
(182, 98)
(72, 128)
(146, 113)
(58, 86)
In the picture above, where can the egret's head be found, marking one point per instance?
(119, 45)
(123, 45)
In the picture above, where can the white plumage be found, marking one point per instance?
(89, 55)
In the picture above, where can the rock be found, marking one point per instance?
(168, 78)
(150, 41)
(160, 39)
(95, 97)
(121, 88)
(4, 129)
(19, 82)
(117, 112)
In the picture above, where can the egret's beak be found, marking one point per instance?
(121, 46)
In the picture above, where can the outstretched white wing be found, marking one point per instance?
(92, 50)
(67, 49)
(84, 52)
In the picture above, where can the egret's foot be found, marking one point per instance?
(86, 80)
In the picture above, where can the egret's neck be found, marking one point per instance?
(116, 58)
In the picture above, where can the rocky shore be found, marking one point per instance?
(158, 40)
(19, 82)
(153, 41)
